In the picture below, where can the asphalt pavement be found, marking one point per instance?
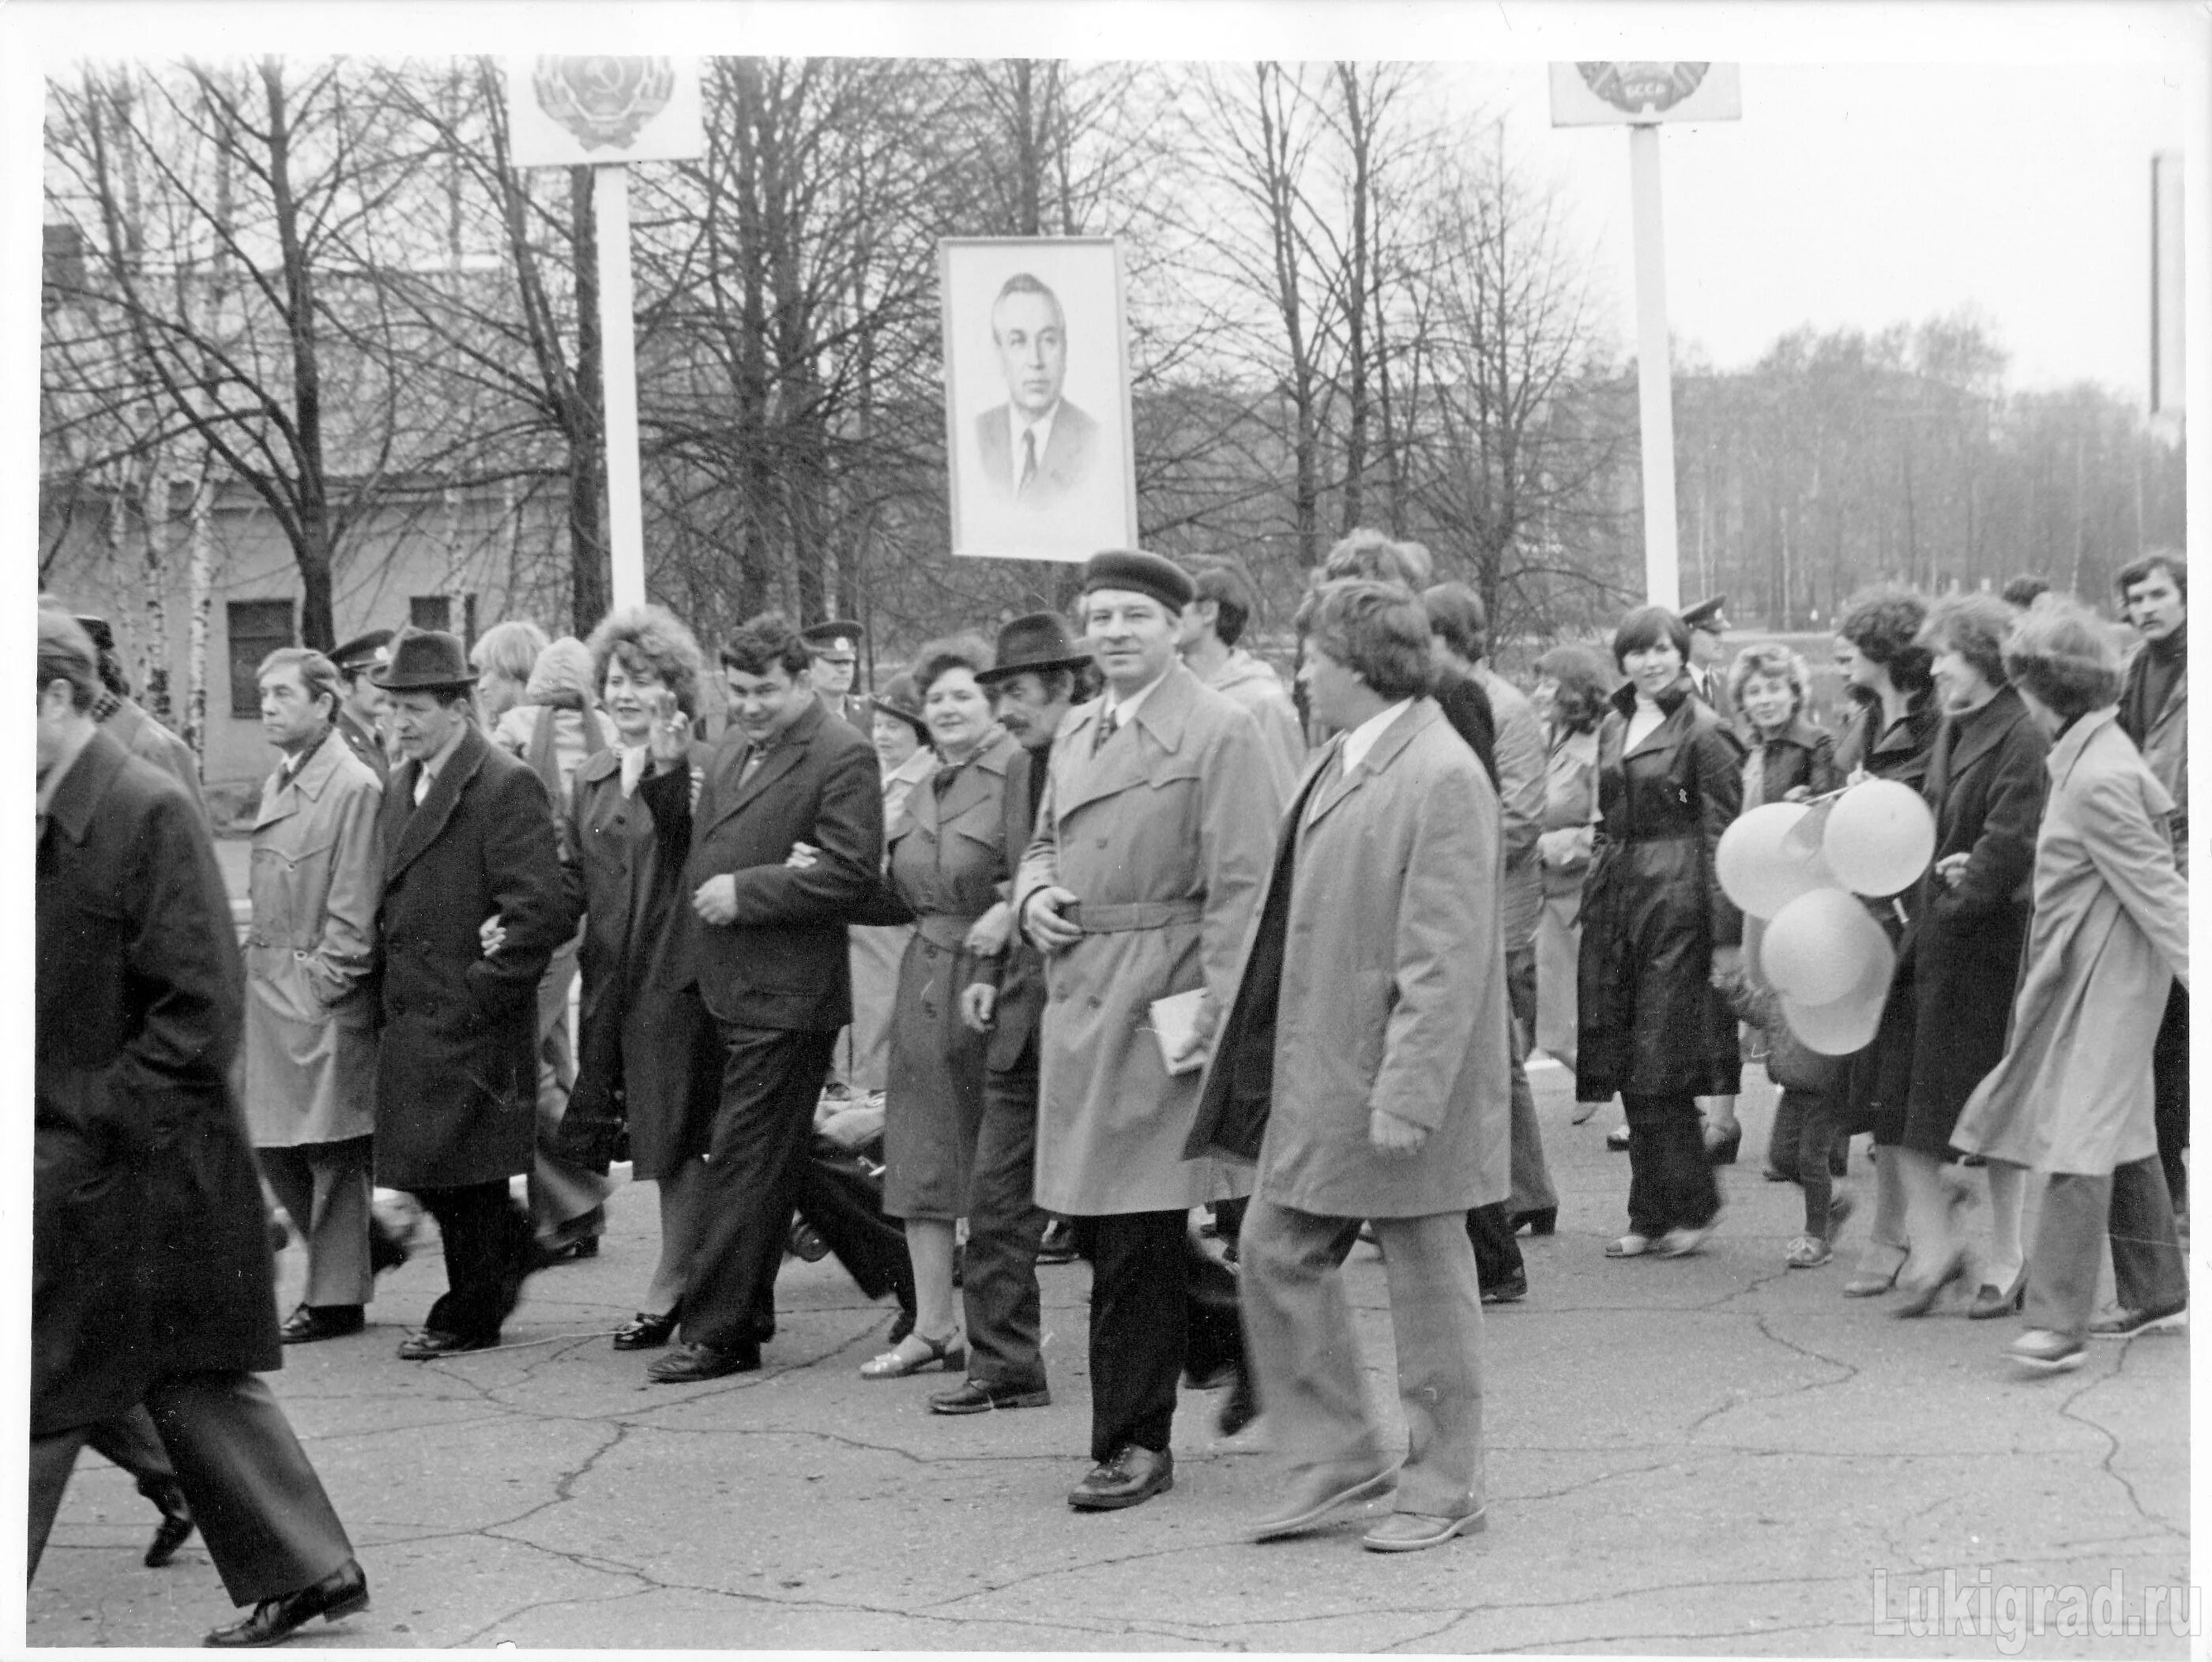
(1712, 1455)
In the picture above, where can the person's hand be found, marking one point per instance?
(669, 739)
(716, 901)
(1042, 922)
(988, 935)
(491, 935)
(979, 1003)
(853, 1126)
(1727, 967)
(1950, 870)
(1858, 776)
(1394, 1136)
(802, 856)
(1798, 794)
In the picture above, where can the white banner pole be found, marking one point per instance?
(618, 350)
(1654, 383)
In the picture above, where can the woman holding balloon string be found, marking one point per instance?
(2073, 1095)
(1943, 1026)
(1887, 672)
(1660, 938)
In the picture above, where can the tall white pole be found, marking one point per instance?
(1663, 582)
(618, 348)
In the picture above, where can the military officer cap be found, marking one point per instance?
(833, 634)
(1710, 616)
(363, 651)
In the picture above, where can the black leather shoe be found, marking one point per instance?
(644, 1332)
(974, 1397)
(694, 1362)
(342, 1593)
(1543, 1220)
(310, 1322)
(429, 1342)
(174, 1529)
(1511, 1290)
(1133, 1476)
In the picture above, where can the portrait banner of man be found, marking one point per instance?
(1036, 397)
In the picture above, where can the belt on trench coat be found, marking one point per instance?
(1137, 915)
(948, 929)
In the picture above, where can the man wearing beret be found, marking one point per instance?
(361, 711)
(1153, 840)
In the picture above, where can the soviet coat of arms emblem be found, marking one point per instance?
(605, 101)
(1639, 88)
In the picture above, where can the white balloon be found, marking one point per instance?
(1760, 868)
(1848, 1024)
(1879, 838)
(1821, 946)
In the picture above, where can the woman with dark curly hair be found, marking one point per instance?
(1887, 672)
(1572, 684)
(1660, 939)
(1943, 1026)
(647, 1053)
(2073, 1096)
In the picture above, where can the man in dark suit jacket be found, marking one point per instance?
(150, 1275)
(767, 950)
(1036, 446)
(475, 900)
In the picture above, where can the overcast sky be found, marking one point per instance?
(1865, 194)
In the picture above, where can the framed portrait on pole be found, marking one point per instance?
(1038, 434)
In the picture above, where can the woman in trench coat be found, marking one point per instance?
(2072, 1096)
(947, 868)
(1658, 934)
(647, 1055)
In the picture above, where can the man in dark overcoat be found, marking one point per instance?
(767, 953)
(151, 1280)
(468, 838)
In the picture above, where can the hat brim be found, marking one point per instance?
(913, 719)
(1007, 671)
(392, 683)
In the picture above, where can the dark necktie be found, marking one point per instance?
(1029, 459)
(1110, 723)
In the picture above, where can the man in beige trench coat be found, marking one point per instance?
(1366, 1061)
(1150, 844)
(310, 1026)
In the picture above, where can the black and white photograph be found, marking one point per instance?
(1134, 826)
(1036, 398)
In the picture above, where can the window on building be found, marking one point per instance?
(258, 627)
(435, 611)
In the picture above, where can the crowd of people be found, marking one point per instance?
(1099, 931)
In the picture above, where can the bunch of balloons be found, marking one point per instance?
(1801, 868)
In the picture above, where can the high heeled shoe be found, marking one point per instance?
(1871, 1284)
(1990, 1302)
(947, 1353)
(1721, 1150)
(1920, 1296)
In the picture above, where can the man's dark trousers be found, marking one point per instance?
(1157, 1305)
(488, 1250)
(771, 1080)
(999, 1285)
(2169, 1075)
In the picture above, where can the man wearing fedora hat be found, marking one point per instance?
(468, 838)
(1153, 840)
(1033, 679)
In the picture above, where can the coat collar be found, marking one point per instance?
(1979, 730)
(777, 760)
(77, 799)
(278, 800)
(979, 780)
(1164, 717)
(2068, 750)
(420, 828)
(1673, 702)
(1799, 732)
(1389, 746)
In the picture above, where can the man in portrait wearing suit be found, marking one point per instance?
(361, 711)
(475, 900)
(1150, 845)
(151, 1284)
(767, 949)
(1036, 446)
(1381, 1095)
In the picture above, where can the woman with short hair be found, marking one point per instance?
(1943, 1026)
(649, 1054)
(1660, 938)
(2072, 1095)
